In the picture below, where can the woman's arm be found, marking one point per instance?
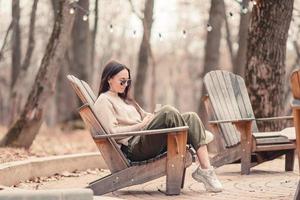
(107, 116)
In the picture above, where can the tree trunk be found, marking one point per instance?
(228, 38)
(64, 103)
(265, 70)
(16, 42)
(212, 46)
(94, 34)
(143, 57)
(23, 132)
(18, 93)
(80, 65)
(240, 58)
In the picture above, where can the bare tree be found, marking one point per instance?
(80, 64)
(77, 61)
(18, 93)
(24, 130)
(239, 64)
(144, 53)
(16, 41)
(212, 46)
(94, 33)
(228, 37)
(266, 54)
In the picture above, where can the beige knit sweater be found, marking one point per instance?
(117, 116)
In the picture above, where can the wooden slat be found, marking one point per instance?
(229, 104)
(230, 141)
(275, 147)
(230, 91)
(272, 140)
(112, 155)
(73, 80)
(209, 82)
(266, 134)
(84, 93)
(243, 99)
(145, 132)
(274, 118)
(89, 90)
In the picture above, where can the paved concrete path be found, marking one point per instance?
(266, 181)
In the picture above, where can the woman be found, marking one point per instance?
(120, 113)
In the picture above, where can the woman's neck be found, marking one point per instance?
(113, 93)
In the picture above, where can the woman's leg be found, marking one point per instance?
(197, 138)
(149, 146)
(203, 157)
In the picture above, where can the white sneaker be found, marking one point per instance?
(208, 178)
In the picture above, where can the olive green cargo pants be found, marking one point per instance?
(149, 146)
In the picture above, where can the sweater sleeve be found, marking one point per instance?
(141, 110)
(107, 116)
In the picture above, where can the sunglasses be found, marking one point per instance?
(127, 82)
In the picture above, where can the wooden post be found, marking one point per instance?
(296, 114)
(175, 161)
(244, 127)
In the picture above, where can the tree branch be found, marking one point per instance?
(135, 11)
(31, 41)
(5, 39)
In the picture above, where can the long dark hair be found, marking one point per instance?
(110, 70)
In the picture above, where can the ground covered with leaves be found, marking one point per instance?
(49, 142)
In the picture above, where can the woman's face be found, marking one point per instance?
(120, 81)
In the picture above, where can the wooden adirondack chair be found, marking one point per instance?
(125, 173)
(295, 86)
(237, 135)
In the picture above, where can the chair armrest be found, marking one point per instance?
(231, 121)
(295, 103)
(250, 119)
(146, 132)
(273, 118)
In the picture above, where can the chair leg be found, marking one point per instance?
(183, 178)
(289, 160)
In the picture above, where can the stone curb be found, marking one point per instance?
(63, 194)
(13, 173)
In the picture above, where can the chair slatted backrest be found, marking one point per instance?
(229, 100)
(109, 149)
(295, 83)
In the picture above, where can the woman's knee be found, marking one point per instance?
(169, 109)
(190, 116)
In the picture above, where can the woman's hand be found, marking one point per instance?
(147, 119)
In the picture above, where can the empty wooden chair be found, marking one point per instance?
(237, 136)
(125, 173)
(295, 86)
